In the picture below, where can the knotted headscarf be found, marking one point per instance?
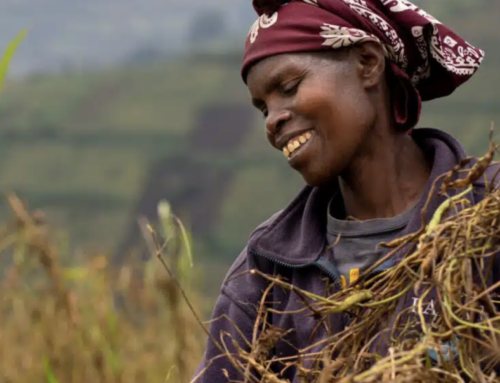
(426, 58)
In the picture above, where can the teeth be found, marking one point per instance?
(295, 143)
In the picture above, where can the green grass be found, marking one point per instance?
(82, 145)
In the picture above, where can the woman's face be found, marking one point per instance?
(318, 110)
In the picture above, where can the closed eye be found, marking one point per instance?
(260, 105)
(290, 87)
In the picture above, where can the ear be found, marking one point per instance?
(371, 63)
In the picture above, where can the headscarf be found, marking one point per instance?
(426, 58)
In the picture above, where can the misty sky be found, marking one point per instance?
(82, 32)
(79, 33)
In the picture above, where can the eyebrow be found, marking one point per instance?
(274, 82)
(271, 85)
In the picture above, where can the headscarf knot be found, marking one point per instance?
(268, 7)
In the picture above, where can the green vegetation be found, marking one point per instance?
(82, 146)
(86, 147)
(9, 54)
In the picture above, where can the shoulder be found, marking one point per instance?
(264, 225)
(245, 261)
(239, 286)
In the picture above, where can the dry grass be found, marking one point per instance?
(92, 323)
(96, 323)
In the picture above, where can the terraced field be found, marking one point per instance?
(96, 150)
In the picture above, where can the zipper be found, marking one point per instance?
(335, 278)
(280, 263)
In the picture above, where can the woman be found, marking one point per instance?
(340, 84)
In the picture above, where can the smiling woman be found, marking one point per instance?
(340, 85)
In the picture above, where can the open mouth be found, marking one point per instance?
(296, 143)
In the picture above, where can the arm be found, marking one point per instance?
(233, 319)
(230, 322)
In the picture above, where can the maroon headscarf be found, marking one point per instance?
(426, 58)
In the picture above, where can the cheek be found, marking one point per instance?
(336, 110)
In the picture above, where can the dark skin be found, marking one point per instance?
(342, 98)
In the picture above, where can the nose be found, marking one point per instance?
(276, 120)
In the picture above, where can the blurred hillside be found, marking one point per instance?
(96, 149)
(102, 148)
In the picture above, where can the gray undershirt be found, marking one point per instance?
(357, 246)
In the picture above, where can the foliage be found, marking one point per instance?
(9, 54)
(81, 146)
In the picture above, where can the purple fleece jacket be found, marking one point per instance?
(292, 243)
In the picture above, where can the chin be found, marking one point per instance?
(320, 171)
(319, 179)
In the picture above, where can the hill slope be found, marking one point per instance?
(86, 147)
(95, 150)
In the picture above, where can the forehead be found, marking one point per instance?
(291, 64)
(278, 66)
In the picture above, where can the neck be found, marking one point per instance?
(387, 181)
